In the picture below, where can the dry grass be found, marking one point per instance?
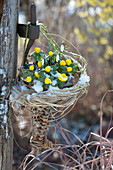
(92, 155)
(96, 154)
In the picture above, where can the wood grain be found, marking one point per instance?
(8, 58)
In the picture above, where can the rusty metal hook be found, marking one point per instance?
(33, 30)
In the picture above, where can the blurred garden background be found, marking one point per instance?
(88, 25)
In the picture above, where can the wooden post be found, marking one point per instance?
(8, 63)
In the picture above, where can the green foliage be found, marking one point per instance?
(45, 68)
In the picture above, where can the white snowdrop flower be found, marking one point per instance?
(42, 61)
(57, 58)
(62, 48)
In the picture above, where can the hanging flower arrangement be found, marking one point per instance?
(52, 69)
(50, 86)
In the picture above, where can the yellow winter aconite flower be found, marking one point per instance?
(47, 69)
(90, 49)
(37, 74)
(106, 56)
(47, 81)
(37, 50)
(68, 62)
(63, 77)
(50, 53)
(77, 31)
(103, 41)
(102, 20)
(101, 60)
(106, 29)
(83, 14)
(102, 4)
(110, 2)
(69, 69)
(108, 9)
(109, 50)
(90, 20)
(80, 3)
(102, 15)
(31, 67)
(28, 79)
(92, 2)
(95, 31)
(82, 38)
(39, 64)
(62, 63)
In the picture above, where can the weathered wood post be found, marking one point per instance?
(8, 62)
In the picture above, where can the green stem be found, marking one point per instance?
(58, 49)
(25, 45)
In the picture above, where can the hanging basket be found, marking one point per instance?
(50, 102)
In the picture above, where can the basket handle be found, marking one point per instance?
(53, 44)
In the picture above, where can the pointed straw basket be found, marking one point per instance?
(50, 105)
